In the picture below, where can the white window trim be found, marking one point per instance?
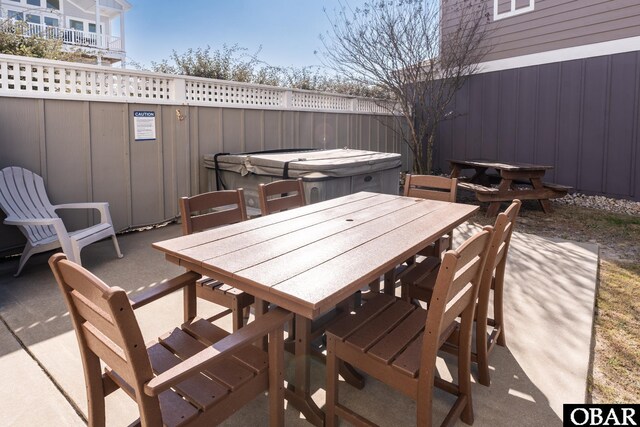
(4, 13)
(53, 16)
(40, 19)
(513, 12)
(85, 24)
(27, 8)
(61, 10)
(69, 19)
(16, 11)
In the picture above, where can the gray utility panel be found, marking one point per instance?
(325, 173)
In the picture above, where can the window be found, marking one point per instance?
(34, 19)
(76, 25)
(508, 8)
(52, 22)
(92, 28)
(53, 4)
(34, 3)
(12, 14)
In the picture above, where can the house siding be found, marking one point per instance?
(553, 24)
(73, 11)
(581, 116)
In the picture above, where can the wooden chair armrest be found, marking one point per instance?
(163, 288)
(243, 337)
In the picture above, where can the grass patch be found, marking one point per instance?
(616, 376)
(619, 220)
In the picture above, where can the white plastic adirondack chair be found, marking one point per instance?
(24, 200)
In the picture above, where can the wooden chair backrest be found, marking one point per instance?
(431, 187)
(498, 249)
(107, 330)
(454, 295)
(22, 195)
(505, 223)
(279, 196)
(200, 212)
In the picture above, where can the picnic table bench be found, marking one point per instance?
(515, 181)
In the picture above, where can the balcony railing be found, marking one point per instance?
(72, 37)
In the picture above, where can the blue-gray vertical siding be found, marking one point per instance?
(581, 116)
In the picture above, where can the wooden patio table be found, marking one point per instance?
(310, 259)
(510, 175)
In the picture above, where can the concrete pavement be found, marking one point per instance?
(550, 292)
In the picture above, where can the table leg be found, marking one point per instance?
(503, 188)
(299, 395)
(480, 176)
(544, 203)
(261, 307)
(390, 282)
(351, 376)
(190, 302)
(374, 286)
(493, 209)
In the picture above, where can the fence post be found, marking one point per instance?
(354, 104)
(288, 99)
(179, 89)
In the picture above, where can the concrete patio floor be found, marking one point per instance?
(549, 297)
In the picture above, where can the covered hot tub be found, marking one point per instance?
(325, 173)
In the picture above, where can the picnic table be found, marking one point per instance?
(309, 260)
(515, 181)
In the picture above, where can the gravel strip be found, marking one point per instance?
(621, 206)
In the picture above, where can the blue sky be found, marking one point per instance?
(288, 30)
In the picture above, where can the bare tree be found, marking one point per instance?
(408, 49)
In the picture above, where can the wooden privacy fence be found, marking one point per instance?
(582, 117)
(74, 125)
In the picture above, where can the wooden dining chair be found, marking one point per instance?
(210, 210)
(419, 284)
(490, 330)
(281, 195)
(195, 375)
(397, 342)
(433, 188)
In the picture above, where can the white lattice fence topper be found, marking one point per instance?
(64, 80)
(374, 106)
(201, 91)
(318, 101)
(31, 77)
